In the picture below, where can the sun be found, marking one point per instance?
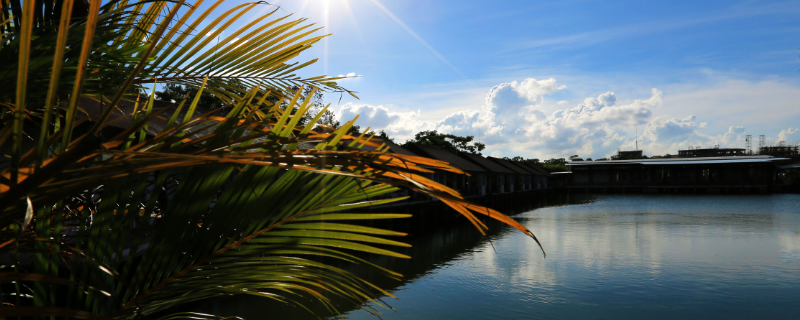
(325, 7)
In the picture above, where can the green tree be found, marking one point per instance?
(523, 160)
(102, 224)
(449, 142)
(555, 165)
(172, 92)
(328, 118)
(575, 158)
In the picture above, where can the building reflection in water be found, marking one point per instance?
(608, 257)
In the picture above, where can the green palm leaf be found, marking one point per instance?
(131, 223)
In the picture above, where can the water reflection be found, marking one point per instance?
(609, 257)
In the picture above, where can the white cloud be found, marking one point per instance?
(350, 76)
(791, 136)
(670, 129)
(516, 118)
(399, 125)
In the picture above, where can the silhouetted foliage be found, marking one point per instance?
(575, 157)
(523, 160)
(449, 142)
(555, 164)
(174, 92)
(356, 130)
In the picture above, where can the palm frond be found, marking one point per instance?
(185, 203)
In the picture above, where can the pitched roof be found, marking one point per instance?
(539, 169)
(510, 165)
(526, 168)
(487, 164)
(122, 115)
(444, 155)
(396, 148)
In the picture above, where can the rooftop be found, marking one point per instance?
(698, 160)
(510, 165)
(535, 168)
(444, 155)
(489, 165)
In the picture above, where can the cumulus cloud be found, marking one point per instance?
(790, 136)
(670, 129)
(595, 127)
(509, 104)
(399, 124)
(459, 122)
(512, 119)
(516, 119)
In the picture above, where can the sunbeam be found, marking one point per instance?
(358, 30)
(302, 9)
(326, 14)
(421, 41)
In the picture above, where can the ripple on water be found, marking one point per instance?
(625, 257)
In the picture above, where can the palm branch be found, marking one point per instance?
(102, 224)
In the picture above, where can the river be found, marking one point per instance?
(608, 257)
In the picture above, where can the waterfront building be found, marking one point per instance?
(711, 152)
(780, 150)
(629, 154)
(734, 174)
(474, 184)
(522, 180)
(511, 177)
(497, 175)
(540, 179)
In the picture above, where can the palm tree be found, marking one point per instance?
(182, 204)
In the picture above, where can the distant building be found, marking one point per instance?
(780, 151)
(628, 155)
(711, 152)
(733, 174)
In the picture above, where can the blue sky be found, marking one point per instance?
(552, 79)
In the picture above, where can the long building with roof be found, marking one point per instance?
(497, 175)
(735, 174)
(474, 184)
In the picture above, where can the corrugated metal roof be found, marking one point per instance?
(444, 155)
(487, 164)
(606, 162)
(709, 162)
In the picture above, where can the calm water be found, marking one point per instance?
(609, 257)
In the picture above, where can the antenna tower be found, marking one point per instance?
(762, 142)
(748, 143)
